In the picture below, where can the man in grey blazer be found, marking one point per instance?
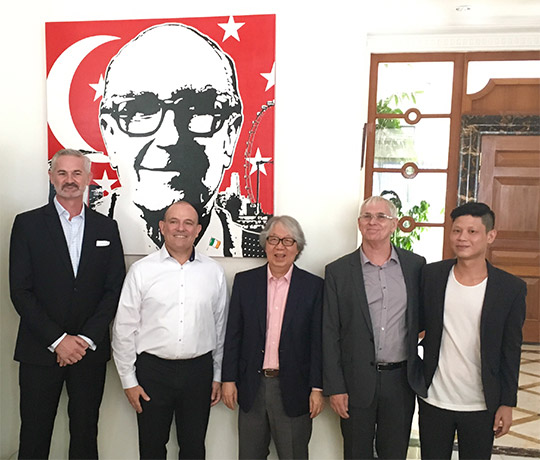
(371, 369)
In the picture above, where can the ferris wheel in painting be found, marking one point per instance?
(250, 160)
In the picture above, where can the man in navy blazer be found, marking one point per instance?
(371, 366)
(66, 271)
(473, 314)
(272, 363)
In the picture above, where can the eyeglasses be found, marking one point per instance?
(142, 115)
(379, 217)
(274, 241)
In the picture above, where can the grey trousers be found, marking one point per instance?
(267, 420)
(387, 420)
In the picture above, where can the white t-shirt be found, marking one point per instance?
(457, 383)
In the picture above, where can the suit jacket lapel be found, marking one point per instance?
(440, 293)
(292, 300)
(490, 303)
(58, 238)
(404, 263)
(360, 288)
(88, 243)
(261, 292)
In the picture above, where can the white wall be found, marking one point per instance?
(321, 92)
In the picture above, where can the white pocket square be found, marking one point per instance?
(102, 243)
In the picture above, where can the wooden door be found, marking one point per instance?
(510, 185)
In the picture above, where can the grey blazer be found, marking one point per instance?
(348, 342)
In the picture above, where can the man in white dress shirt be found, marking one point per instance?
(168, 338)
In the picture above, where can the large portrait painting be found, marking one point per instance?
(168, 110)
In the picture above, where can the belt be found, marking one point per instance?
(271, 372)
(390, 366)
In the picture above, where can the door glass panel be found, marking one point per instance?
(479, 72)
(429, 243)
(428, 187)
(424, 143)
(424, 85)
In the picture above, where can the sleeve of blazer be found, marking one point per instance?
(33, 314)
(333, 380)
(511, 348)
(233, 335)
(315, 378)
(97, 326)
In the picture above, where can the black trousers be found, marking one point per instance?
(438, 428)
(387, 420)
(176, 387)
(40, 389)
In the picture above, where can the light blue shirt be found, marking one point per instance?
(73, 232)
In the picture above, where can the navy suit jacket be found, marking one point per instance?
(300, 360)
(348, 342)
(49, 298)
(501, 321)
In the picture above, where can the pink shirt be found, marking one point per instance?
(278, 289)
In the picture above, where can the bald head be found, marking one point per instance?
(169, 58)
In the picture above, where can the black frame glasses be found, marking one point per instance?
(275, 240)
(142, 115)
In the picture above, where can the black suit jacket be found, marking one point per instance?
(49, 298)
(503, 314)
(300, 360)
(348, 342)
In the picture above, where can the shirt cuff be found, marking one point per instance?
(52, 346)
(316, 389)
(129, 381)
(89, 341)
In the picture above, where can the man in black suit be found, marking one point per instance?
(371, 368)
(473, 314)
(66, 271)
(272, 363)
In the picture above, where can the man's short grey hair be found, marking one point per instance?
(291, 224)
(392, 210)
(71, 153)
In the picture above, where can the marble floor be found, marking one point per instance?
(523, 440)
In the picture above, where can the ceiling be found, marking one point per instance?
(442, 16)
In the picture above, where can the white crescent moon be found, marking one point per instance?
(58, 88)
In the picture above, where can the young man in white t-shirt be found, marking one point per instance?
(473, 314)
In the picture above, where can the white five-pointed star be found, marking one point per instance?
(258, 158)
(105, 183)
(98, 87)
(270, 77)
(231, 28)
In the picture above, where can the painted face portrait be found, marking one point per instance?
(170, 118)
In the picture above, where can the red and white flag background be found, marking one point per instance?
(78, 54)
